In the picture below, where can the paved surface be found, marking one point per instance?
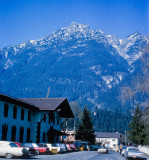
(84, 155)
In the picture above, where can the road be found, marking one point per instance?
(82, 155)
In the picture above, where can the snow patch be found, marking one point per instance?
(8, 64)
(96, 69)
(22, 45)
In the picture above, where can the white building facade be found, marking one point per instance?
(32, 120)
(109, 139)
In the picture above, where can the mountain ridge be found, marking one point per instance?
(75, 62)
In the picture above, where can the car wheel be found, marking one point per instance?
(37, 152)
(8, 155)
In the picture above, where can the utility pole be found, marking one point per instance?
(125, 138)
(48, 92)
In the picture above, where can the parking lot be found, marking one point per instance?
(81, 155)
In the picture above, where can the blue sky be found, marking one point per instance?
(22, 20)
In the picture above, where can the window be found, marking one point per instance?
(113, 139)
(22, 114)
(49, 119)
(53, 118)
(13, 145)
(57, 120)
(6, 107)
(28, 135)
(14, 112)
(44, 136)
(13, 133)
(29, 115)
(44, 118)
(21, 134)
(4, 131)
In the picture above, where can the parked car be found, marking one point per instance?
(94, 147)
(20, 145)
(53, 149)
(133, 153)
(102, 150)
(72, 146)
(10, 150)
(62, 146)
(36, 149)
(68, 148)
(82, 144)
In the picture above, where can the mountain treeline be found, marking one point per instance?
(104, 120)
(111, 121)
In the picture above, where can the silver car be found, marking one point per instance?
(133, 153)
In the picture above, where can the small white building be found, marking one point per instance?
(32, 119)
(109, 139)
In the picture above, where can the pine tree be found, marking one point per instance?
(137, 132)
(85, 131)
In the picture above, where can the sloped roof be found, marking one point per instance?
(16, 101)
(42, 104)
(47, 104)
(107, 135)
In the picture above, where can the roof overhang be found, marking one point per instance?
(51, 104)
(16, 101)
(54, 132)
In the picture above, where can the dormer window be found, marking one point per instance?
(22, 114)
(14, 112)
(6, 107)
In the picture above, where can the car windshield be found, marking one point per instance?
(132, 149)
(13, 145)
(52, 145)
(36, 145)
(21, 144)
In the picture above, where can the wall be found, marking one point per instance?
(16, 122)
(144, 149)
(45, 126)
(36, 116)
(109, 142)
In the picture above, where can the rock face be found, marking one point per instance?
(74, 62)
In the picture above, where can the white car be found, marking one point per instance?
(10, 150)
(52, 148)
(102, 150)
(133, 153)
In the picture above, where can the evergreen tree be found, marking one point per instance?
(137, 132)
(85, 130)
(111, 121)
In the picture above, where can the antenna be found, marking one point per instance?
(48, 92)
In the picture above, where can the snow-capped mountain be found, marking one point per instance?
(131, 47)
(75, 62)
